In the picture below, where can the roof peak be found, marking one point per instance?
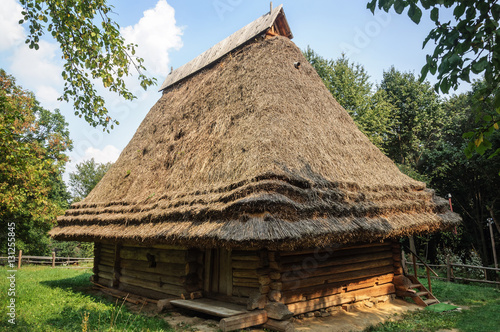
(273, 23)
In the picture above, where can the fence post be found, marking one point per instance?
(448, 268)
(429, 279)
(19, 258)
(53, 259)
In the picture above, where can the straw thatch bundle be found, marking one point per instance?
(253, 152)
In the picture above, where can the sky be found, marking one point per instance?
(170, 33)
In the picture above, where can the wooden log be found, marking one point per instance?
(160, 278)
(243, 255)
(19, 259)
(106, 275)
(97, 251)
(264, 289)
(253, 284)
(105, 268)
(274, 296)
(116, 266)
(105, 282)
(343, 298)
(278, 311)
(177, 270)
(142, 291)
(238, 273)
(311, 293)
(160, 255)
(323, 250)
(238, 322)
(276, 285)
(332, 270)
(159, 287)
(246, 265)
(253, 280)
(280, 326)
(245, 291)
(335, 278)
(370, 282)
(107, 261)
(256, 301)
(310, 263)
(264, 280)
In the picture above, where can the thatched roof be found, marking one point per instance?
(253, 152)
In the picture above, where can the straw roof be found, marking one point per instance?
(253, 152)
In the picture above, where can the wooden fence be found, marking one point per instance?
(450, 271)
(72, 262)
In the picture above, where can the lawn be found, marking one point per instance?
(56, 300)
(480, 312)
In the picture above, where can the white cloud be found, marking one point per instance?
(37, 67)
(12, 33)
(47, 96)
(108, 154)
(156, 33)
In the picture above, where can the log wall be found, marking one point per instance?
(250, 273)
(155, 272)
(315, 279)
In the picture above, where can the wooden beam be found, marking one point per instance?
(335, 300)
(254, 318)
(211, 307)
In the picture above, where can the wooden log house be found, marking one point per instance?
(249, 184)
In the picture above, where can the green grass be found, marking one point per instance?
(56, 300)
(481, 312)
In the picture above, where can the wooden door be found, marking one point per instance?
(218, 272)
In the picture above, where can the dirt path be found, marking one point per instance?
(356, 320)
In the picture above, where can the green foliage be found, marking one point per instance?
(60, 299)
(72, 248)
(92, 49)
(349, 84)
(33, 143)
(484, 302)
(473, 182)
(467, 45)
(87, 176)
(418, 117)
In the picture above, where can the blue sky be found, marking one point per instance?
(172, 32)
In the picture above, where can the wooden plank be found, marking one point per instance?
(336, 261)
(160, 255)
(226, 276)
(331, 270)
(334, 300)
(246, 265)
(159, 287)
(207, 272)
(335, 278)
(333, 249)
(250, 319)
(330, 256)
(143, 291)
(222, 48)
(155, 277)
(116, 266)
(170, 269)
(211, 307)
(245, 291)
(215, 271)
(245, 273)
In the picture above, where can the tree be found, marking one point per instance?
(87, 176)
(468, 45)
(349, 84)
(33, 143)
(472, 182)
(92, 49)
(418, 117)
